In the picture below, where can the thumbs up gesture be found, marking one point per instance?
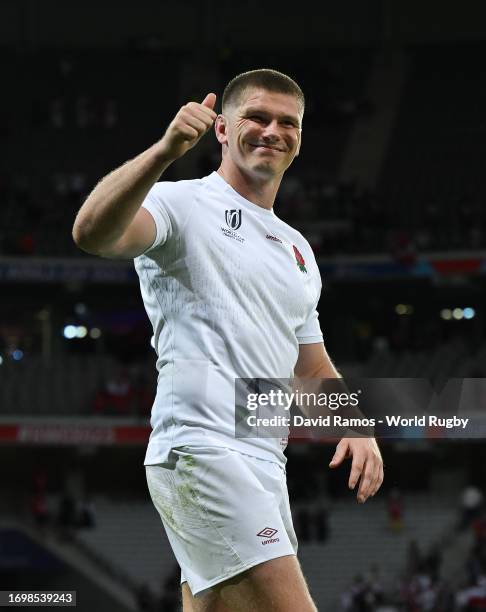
(189, 125)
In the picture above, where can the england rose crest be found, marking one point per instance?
(299, 259)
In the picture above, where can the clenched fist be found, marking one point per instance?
(189, 125)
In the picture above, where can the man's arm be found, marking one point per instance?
(111, 222)
(314, 363)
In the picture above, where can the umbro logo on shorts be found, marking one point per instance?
(268, 533)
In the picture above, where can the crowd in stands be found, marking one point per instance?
(63, 510)
(422, 587)
(365, 594)
(345, 218)
(472, 596)
(420, 590)
(123, 394)
(83, 107)
(337, 219)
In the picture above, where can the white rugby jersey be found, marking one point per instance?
(231, 291)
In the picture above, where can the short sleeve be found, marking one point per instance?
(169, 204)
(310, 332)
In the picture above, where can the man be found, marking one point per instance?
(231, 291)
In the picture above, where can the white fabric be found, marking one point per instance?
(223, 304)
(223, 512)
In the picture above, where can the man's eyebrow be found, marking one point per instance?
(262, 111)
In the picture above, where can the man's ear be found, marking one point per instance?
(299, 144)
(220, 127)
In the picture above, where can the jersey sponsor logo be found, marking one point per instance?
(299, 259)
(268, 534)
(274, 238)
(233, 218)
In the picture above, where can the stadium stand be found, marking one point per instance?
(88, 101)
(76, 385)
(101, 386)
(143, 555)
(329, 567)
(83, 98)
(428, 197)
(432, 179)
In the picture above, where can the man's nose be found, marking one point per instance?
(271, 130)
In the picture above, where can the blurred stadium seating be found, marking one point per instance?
(428, 196)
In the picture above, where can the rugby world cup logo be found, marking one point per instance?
(233, 219)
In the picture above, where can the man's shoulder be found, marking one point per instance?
(178, 188)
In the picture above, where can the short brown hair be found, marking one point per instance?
(263, 78)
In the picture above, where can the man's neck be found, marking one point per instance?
(261, 192)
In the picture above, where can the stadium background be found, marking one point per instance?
(389, 189)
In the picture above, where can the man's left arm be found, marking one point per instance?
(367, 464)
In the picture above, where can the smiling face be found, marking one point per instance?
(261, 135)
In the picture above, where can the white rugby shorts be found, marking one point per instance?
(223, 512)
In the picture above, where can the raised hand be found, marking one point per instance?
(189, 125)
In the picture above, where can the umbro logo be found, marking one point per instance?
(268, 534)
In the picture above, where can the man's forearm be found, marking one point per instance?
(113, 203)
(312, 381)
(329, 382)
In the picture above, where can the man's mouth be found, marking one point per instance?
(268, 147)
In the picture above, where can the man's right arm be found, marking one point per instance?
(111, 222)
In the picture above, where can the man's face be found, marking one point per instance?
(262, 134)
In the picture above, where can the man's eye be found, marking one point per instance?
(255, 117)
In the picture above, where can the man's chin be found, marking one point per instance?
(265, 169)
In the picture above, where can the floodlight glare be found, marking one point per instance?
(458, 314)
(95, 333)
(81, 331)
(446, 314)
(70, 332)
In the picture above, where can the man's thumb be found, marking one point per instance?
(339, 455)
(209, 100)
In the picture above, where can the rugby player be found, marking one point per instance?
(231, 291)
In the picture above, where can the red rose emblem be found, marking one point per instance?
(300, 260)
